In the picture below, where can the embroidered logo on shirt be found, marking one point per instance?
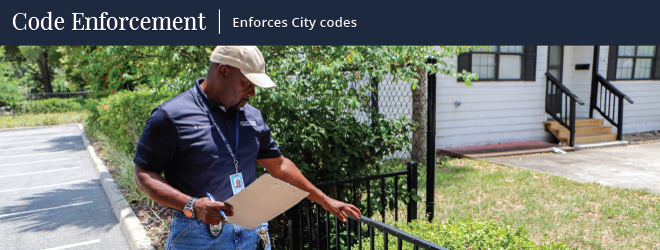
(248, 123)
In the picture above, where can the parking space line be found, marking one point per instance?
(45, 186)
(36, 154)
(44, 135)
(75, 245)
(41, 146)
(26, 142)
(45, 209)
(29, 162)
(40, 172)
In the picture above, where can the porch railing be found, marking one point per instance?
(312, 227)
(560, 103)
(608, 101)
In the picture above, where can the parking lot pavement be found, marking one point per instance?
(633, 167)
(50, 196)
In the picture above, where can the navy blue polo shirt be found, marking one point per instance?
(180, 140)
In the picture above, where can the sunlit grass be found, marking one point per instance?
(29, 119)
(583, 215)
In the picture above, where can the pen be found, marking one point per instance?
(212, 199)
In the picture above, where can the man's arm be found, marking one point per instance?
(284, 169)
(156, 187)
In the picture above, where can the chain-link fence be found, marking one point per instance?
(397, 99)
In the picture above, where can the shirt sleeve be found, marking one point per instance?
(158, 143)
(268, 148)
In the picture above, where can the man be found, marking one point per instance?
(207, 140)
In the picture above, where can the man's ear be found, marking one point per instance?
(222, 70)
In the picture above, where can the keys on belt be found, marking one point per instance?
(264, 242)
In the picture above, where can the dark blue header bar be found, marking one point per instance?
(328, 22)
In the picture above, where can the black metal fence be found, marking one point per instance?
(378, 197)
(41, 96)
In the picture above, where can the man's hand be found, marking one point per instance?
(341, 209)
(207, 210)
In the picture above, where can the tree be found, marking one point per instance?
(45, 57)
(10, 93)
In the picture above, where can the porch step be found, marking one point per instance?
(590, 138)
(586, 131)
(580, 131)
(578, 123)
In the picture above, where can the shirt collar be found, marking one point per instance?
(208, 101)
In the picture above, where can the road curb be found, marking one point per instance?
(131, 226)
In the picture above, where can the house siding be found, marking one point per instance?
(491, 111)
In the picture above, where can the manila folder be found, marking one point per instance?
(262, 200)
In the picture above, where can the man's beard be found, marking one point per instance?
(231, 111)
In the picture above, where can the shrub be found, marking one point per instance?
(122, 116)
(463, 234)
(53, 105)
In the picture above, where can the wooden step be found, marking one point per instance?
(578, 123)
(580, 131)
(590, 138)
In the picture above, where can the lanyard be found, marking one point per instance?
(224, 139)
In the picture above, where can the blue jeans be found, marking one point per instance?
(190, 233)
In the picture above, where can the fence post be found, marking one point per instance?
(412, 184)
(294, 227)
(430, 143)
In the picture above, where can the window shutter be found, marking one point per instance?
(657, 63)
(611, 62)
(530, 64)
(464, 63)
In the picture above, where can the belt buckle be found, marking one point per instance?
(215, 229)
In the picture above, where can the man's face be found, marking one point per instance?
(240, 87)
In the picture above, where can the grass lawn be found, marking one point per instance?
(29, 119)
(582, 215)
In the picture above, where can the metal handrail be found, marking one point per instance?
(611, 102)
(387, 229)
(563, 88)
(554, 103)
(613, 89)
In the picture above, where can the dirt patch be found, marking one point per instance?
(640, 137)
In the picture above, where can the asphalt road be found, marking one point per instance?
(50, 196)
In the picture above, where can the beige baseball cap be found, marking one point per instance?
(246, 58)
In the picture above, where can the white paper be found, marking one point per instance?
(262, 200)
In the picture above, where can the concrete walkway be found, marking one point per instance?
(50, 195)
(634, 167)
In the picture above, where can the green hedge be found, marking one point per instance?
(122, 116)
(463, 234)
(53, 105)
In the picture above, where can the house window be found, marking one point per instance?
(633, 62)
(498, 62)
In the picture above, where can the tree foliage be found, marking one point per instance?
(10, 93)
(107, 69)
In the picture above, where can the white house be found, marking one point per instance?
(508, 102)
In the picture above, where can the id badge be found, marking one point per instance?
(236, 181)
